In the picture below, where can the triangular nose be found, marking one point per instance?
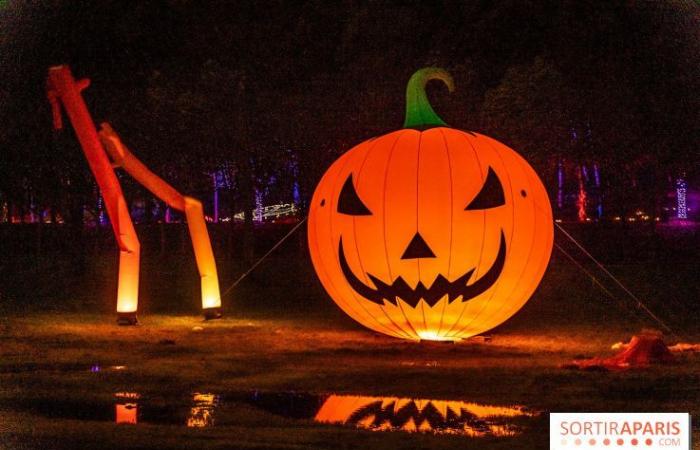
(417, 248)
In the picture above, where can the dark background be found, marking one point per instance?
(249, 87)
(196, 86)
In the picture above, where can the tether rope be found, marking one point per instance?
(640, 304)
(592, 277)
(262, 258)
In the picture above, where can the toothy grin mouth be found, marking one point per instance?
(431, 295)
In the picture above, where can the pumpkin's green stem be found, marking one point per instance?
(419, 113)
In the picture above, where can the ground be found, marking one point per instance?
(259, 377)
(49, 359)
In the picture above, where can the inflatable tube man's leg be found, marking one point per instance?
(129, 261)
(206, 264)
(211, 298)
(61, 86)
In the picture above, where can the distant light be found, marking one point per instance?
(258, 212)
(557, 220)
(617, 218)
(272, 211)
(581, 200)
(631, 219)
(681, 193)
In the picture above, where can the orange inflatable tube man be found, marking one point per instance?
(63, 88)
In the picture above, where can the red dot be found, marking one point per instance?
(648, 441)
(591, 442)
(606, 441)
(620, 441)
(577, 442)
(635, 442)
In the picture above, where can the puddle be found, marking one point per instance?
(201, 409)
(401, 414)
(124, 407)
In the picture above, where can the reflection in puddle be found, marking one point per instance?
(58, 367)
(126, 413)
(436, 416)
(132, 395)
(200, 409)
(202, 412)
(399, 414)
(125, 409)
(96, 368)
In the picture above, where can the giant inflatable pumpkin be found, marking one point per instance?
(430, 232)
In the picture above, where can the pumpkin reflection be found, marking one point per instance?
(420, 415)
(202, 413)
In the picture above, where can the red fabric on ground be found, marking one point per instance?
(643, 350)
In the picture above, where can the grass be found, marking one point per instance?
(281, 333)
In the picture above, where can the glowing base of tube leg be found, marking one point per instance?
(212, 313)
(127, 319)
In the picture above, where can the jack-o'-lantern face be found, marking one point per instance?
(430, 233)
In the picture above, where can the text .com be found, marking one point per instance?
(621, 431)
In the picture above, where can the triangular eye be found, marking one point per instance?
(349, 203)
(490, 195)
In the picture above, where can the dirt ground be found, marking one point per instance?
(73, 360)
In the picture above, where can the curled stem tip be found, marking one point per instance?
(419, 113)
